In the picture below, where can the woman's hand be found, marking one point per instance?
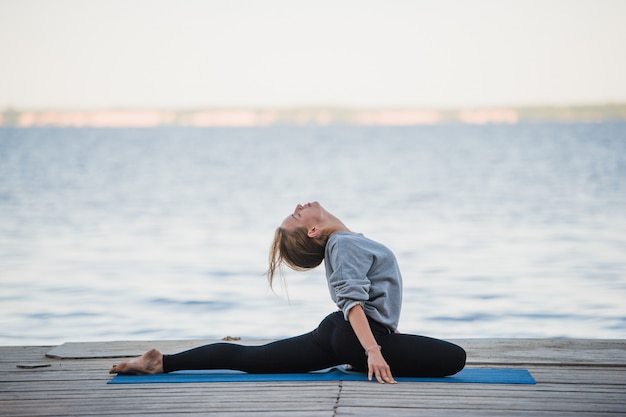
(377, 367)
(376, 364)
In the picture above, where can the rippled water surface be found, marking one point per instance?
(120, 234)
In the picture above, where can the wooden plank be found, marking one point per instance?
(482, 389)
(233, 413)
(482, 403)
(120, 405)
(109, 400)
(579, 376)
(561, 352)
(429, 412)
(614, 396)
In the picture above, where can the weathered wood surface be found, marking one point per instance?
(574, 378)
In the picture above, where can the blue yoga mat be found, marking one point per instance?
(467, 375)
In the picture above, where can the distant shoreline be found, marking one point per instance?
(258, 117)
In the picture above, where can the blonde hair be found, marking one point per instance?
(295, 249)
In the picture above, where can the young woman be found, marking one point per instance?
(365, 283)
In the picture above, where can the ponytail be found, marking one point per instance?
(296, 249)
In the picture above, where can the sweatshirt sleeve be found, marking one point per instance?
(349, 276)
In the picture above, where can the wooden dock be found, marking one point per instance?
(574, 378)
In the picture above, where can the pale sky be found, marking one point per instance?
(277, 53)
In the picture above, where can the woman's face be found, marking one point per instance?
(307, 215)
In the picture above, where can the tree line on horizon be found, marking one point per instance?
(309, 116)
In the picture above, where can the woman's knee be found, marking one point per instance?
(456, 360)
(411, 355)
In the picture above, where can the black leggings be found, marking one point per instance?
(332, 343)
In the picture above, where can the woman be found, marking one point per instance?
(365, 283)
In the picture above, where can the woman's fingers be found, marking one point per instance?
(382, 374)
(388, 377)
(379, 377)
(379, 368)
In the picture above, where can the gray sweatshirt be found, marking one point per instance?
(361, 271)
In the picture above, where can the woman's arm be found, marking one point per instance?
(376, 364)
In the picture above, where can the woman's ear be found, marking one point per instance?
(313, 231)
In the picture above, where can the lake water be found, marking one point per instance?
(125, 234)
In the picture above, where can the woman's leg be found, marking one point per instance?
(297, 354)
(337, 336)
(308, 352)
(332, 343)
(410, 355)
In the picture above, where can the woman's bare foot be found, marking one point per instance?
(150, 362)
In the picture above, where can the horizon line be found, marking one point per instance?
(257, 117)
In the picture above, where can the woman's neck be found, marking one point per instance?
(336, 226)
